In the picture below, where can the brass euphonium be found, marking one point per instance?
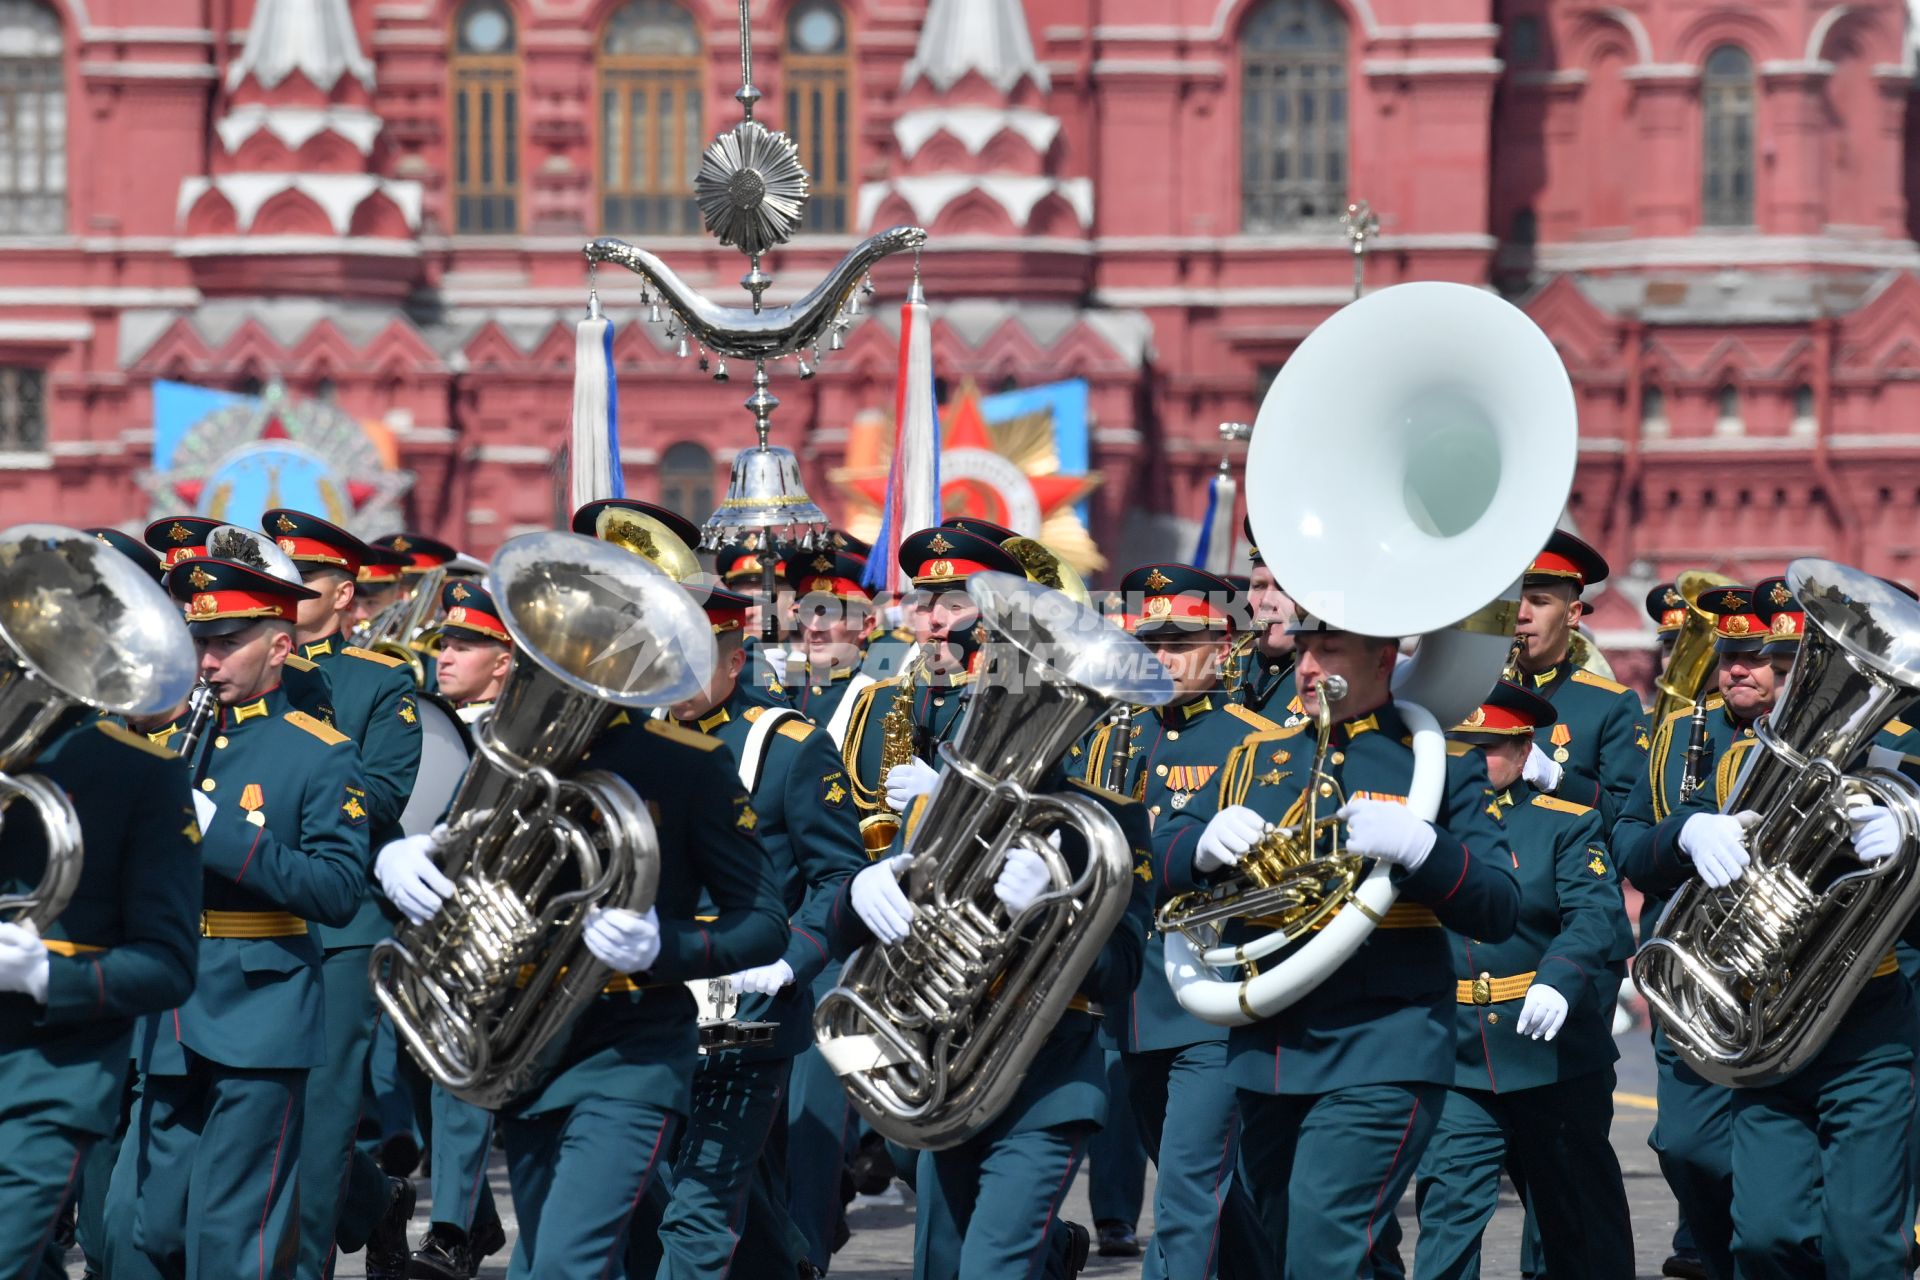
(404, 629)
(933, 1035)
(479, 991)
(80, 626)
(1750, 981)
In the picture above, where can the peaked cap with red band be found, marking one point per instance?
(1177, 597)
(225, 596)
(422, 553)
(133, 549)
(466, 606)
(726, 610)
(179, 538)
(1667, 607)
(1508, 711)
(309, 540)
(382, 567)
(1786, 621)
(947, 557)
(1567, 559)
(827, 573)
(1737, 627)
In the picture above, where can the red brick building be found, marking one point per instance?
(1707, 205)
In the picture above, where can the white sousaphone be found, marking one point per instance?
(1409, 461)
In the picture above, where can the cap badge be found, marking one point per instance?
(1478, 718)
(1159, 606)
(286, 545)
(1158, 581)
(1780, 594)
(285, 524)
(1737, 625)
(823, 564)
(457, 614)
(1731, 600)
(460, 591)
(401, 544)
(204, 605)
(179, 533)
(1673, 599)
(200, 578)
(940, 569)
(939, 545)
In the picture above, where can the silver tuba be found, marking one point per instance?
(1408, 461)
(479, 991)
(932, 1036)
(80, 626)
(1750, 981)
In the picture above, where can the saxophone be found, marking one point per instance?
(899, 743)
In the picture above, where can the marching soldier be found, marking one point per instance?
(927, 700)
(207, 1178)
(1668, 609)
(1533, 1081)
(377, 585)
(1823, 1179)
(371, 696)
(1340, 1092)
(1176, 1064)
(476, 656)
(586, 1141)
(833, 618)
(978, 1215)
(1597, 749)
(736, 1137)
(1670, 830)
(1264, 679)
(124, 946)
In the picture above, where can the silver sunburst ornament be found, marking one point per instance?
(752, 187)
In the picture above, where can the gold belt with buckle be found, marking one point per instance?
(251, 924)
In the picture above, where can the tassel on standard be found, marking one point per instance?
(595, 443)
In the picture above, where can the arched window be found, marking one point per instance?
(486, 120)
(33, 121)
(650, 113)
(1293, 115)
(818, 70)
(1729, 422)
(1726, 93)
(686, 481)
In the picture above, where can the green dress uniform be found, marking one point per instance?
(207, 1177)
(1346, 1085)
(1262, 684)
(584, 1142)
(1175, 1064)
(125, 946)
(822, 697)
(935, 708)
(1600, 741)
(1692, 1136)
(988, 1208)
(1544, 1105)
(372, 701)
(736, 1134)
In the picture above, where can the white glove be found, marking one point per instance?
(1230, 833)
(1387, 831)
(880, 902)
(1540, 771)
(1876, 833)
(764, 980)
(1716, 844)
(204, 808)
(409, 878)
(625, 941)
(23, 961)
(908, 782)
(1023, 877)
(1542, 1016)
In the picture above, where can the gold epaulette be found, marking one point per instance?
(384, 659)
(1458, 749)
(753, 713)
(1597, 681)
(138, 741)
(318, 728)
(1259, 722)
(1898, 726)
(797, 729)
(674, 730)
(299, 663)
(1558, 805)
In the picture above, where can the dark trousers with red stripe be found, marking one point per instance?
(207, 1181)
(1326, 1170)
(989, 1209)
(39, 1164)
(577, 1175)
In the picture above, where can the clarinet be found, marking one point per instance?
(1119, 749)
(1695, 775)
(200, 708)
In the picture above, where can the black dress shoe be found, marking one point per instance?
(488, 1238)
(1684, 1266)
(443, 1255)
(1115, 1239)
(387, 1257)
(1079, 1245)
(872, 1167)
